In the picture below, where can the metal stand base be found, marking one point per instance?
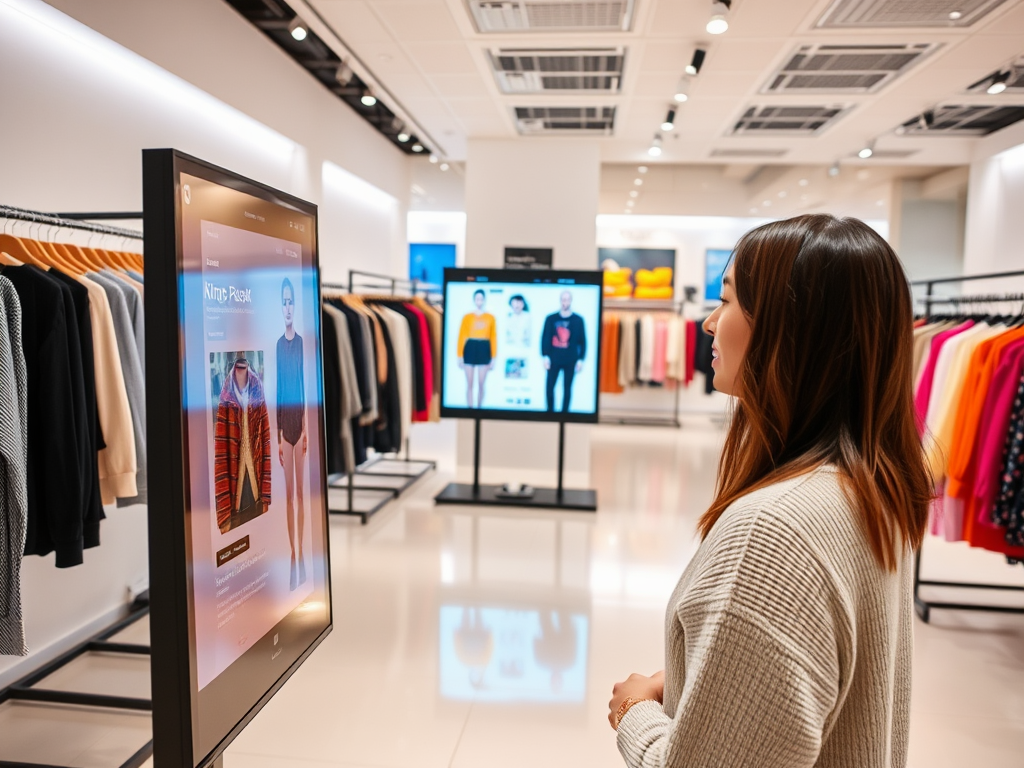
(578, 500)
(373, 485)
(924, 607)
(583, 500)
(28, 688)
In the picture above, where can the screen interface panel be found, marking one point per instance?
(521, 345)
(256, 529)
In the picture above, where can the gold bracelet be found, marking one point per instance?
(624, 707)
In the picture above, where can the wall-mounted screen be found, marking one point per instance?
(240, 576)
(428, 261)
(716, 261)
(521, 344)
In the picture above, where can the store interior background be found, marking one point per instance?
(87, 84)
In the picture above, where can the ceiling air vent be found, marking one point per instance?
(569, 69)
(751, 154)
(888, 14)
(845, 68)
(963, 120)
(1014, 73)
(568, 15)
(786, 121)
(533, 121)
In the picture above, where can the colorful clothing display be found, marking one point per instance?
(645, 348)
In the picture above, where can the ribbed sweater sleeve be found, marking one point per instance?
(776, 656)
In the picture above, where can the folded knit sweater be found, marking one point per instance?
(787, 644)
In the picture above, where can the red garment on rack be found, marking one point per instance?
(426, 372)
(691, 350)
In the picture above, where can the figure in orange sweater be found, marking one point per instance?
(478, 346)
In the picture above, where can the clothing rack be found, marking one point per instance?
(645, 421)
(370, 478)
(921, 605)
(73, 221)
(32, 687)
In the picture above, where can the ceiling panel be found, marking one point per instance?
(429, 21)
(460, 86)
(443, 58)
(355, 21)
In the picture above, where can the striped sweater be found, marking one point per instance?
(227, 444)
(787, 645)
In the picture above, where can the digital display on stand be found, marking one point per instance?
(521, 345)
(253, 518)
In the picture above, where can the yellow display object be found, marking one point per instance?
(617, 276)
(618, 291)
(659, 277)
(653, 292)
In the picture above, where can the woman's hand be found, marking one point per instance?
(636, 687)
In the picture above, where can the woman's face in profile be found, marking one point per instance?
(731, 329)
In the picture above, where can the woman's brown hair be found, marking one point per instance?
(827, 375)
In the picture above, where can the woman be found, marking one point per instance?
(517, 327)
(292, 441)
(789, 636)
(478, 345)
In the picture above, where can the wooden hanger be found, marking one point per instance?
(15, 248)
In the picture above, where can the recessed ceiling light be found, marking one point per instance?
(867, 151)
(634, 193)
(803, 182)
(767, 203)
(682, 90)
(955, 15)
(638, 182)
(297, 29)
(630, 203)
(718, 23)
(403, 137)
(444, 166)
(782, 193)
(433, 158)
(642, 169)
(417, 147)
(368, 99)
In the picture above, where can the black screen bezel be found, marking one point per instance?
(171, 626)
(526, 277)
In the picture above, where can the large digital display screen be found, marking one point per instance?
(521, 344)
(254, 516)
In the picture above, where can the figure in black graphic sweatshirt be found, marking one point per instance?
(563, 343)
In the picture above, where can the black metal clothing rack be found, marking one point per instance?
(74, 221)
(368, 479)
(922, 605)
(646, 421)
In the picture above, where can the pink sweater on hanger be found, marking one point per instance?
(659, 365)
(924, 389)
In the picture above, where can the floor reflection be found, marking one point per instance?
(513, 655)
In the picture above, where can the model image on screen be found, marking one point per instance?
(564, 345)
(241, 448)
(291, 428)
(478, 345)
(517, 334)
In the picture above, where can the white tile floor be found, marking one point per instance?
(474, 638)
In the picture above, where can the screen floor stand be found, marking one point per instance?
(373, 485)
(28, 688)
(476, 494)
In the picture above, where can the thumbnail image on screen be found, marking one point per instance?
(521, 345)
(256, 528)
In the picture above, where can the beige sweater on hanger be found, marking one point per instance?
(787, 645)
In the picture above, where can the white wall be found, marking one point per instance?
(533, 193)
(77, 109)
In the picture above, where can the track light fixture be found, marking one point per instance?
(417, 147)
(655, 150)
(998, 82)
(926, 120)
(368, 99)
(404, 136)
(297, 29)
(693, 68)
(718, 23)
(868, 151)
(670, 120)
(343, 76)
(682, 90)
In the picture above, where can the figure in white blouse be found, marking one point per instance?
(517, 326)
